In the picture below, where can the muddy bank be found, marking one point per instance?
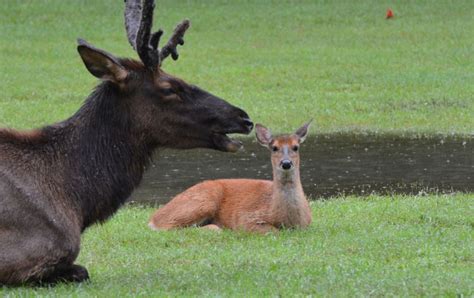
(332, 164)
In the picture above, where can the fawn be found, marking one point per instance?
(246, 204)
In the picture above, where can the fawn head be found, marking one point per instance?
(285, 148)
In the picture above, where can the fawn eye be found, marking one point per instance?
(274, 148)
(295, 148)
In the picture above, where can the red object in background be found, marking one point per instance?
(389, 14)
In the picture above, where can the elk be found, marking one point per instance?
(246, 204)
(60, 179)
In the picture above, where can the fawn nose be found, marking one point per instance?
(286, 164)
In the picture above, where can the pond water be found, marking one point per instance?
(331, 164)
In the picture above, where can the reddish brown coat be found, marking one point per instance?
(246, 204)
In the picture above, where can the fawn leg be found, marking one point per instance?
(261, 228)
(212, 227)
(194, 206)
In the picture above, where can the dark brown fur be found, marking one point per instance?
(58, 180)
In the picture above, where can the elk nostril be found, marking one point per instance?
(286, 164)
(248, 123)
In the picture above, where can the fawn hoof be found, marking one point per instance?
(152, 226)
(212, 227)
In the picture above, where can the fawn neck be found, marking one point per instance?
(287, 197)
(287, 185)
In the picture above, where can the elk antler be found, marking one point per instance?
(138, 23)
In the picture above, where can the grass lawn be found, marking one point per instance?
(284, 62)
(338, 62)
(375, 246)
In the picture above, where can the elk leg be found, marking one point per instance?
(37, 258)
(195, 206)
(66, 273)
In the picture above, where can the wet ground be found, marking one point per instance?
(331, 164)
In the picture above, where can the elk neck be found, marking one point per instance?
(103, 158)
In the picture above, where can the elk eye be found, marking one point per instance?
(167, 91)
(169, 94)
(295, 148)
(274, 148)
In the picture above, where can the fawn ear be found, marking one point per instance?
(302, 132)
(100, 63)
(264, 135)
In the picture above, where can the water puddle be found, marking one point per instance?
(331, 164)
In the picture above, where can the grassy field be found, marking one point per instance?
(377, 246)
(284, 62)
(338, 62)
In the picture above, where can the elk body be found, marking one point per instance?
(58, 180)
(246, 204)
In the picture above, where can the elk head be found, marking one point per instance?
(164, 110)
(284, 148)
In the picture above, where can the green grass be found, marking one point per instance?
(284, 62)
(375, 246)
(339, 62)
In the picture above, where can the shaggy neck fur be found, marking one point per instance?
(103, 158)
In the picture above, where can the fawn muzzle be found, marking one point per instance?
(286, 164)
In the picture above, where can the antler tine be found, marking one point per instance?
(138, 23)
(175, 40)
(148, 54)
(133, 12)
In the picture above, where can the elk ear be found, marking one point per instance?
(302, 132)
(264, 135)
(100, 63)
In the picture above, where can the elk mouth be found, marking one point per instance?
(225, 143)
